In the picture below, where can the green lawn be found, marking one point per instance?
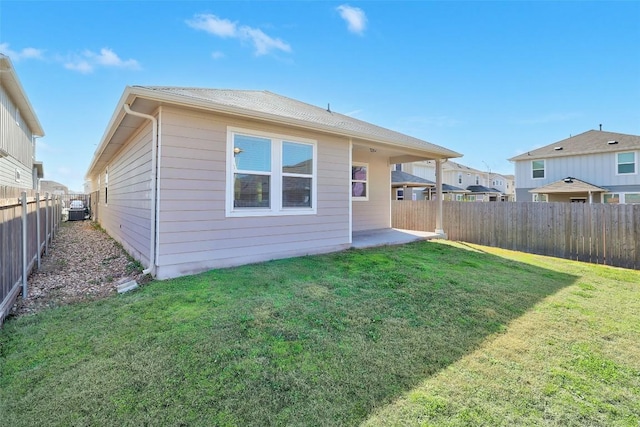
(430, 333)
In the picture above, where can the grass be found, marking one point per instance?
(430, 333)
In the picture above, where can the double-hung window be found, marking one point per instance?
(537, 167)
(270, 174)
(360, 181)
(626, 163)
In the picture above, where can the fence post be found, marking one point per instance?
(24, 244)
(46, 223)
(38, 228)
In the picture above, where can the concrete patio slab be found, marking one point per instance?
(389, 236)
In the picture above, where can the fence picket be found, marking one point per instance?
(597, 233)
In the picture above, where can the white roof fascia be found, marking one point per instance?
(18, 95)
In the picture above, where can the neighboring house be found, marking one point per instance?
(594, 167)
(510, 188)
(464, 183)
(406, 186)
(19, 127)
(194, 179)
(53, 187)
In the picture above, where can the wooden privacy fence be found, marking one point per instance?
(597, 233)
(27, 226)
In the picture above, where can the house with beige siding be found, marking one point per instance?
(462, 183)
(593, 167)
(19, 126)
(194, 179)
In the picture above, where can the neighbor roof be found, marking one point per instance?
(568, 185)
(400, 178)
(9, 80)
(590, 142)
(482, 189)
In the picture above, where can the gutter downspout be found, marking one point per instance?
(154, 142)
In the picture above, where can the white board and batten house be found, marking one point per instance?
(593, 167)
(195, 179)
(19, 126)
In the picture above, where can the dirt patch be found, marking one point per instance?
(83, 264)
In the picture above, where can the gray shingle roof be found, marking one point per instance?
(568, 185)
(482, 189)
(590, 142)
(400, 177)
(268, 104)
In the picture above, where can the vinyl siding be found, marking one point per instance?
(196, 235)
(127, 214)
(596, 169)
(376, 212)
(16, 139)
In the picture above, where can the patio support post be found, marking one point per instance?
(439, 230)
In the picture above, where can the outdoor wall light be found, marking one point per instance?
(237, 151)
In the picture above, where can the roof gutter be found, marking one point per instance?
(154, 186)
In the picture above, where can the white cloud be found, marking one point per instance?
(224, 28)
(89, 60)
(217, 55)
(26, 53)
(79, 65)
(355, 18)
(213, 25)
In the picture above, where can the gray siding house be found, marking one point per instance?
(593, 167)
(18, 128)
(194, 179)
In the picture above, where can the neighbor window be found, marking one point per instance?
(537, 166)
(106, 185)
(360, 181)
(540, 197)
(459, 178)
(399, 194)
(626, 163)
(611, 198)
(632, 198)
(270, 174)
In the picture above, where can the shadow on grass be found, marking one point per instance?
(322, 340)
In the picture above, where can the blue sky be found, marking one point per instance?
(488, 79)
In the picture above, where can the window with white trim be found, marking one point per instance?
(630, 198)
(106, 185)
(611, 198)
(459, 178)
(537, 169)
(18, 175)
(270, 174)
(360, 181)
(626, 163)
(540, 197)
